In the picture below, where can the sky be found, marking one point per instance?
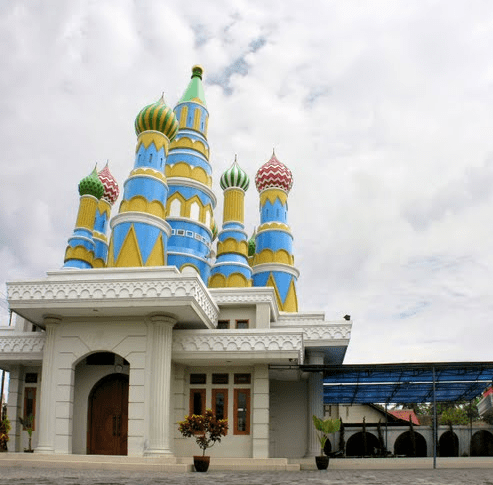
(383, 111)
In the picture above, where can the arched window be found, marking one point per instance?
(208, 217)
(195, 211)
(175, 208)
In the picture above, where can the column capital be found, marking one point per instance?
(162, 319)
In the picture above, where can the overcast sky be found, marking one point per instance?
(382, 110)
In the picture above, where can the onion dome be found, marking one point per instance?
(251, 245)
(111, 189)
(159, 117)
(91, 185)
(274, 175)
(234, 177)
(215, 231)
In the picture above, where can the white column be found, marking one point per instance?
(315, 403)
(160, 391)
(260, 411)
(46, 440)
(14, 408)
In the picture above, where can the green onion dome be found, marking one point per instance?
(251, 245)
(159, 117)
(91, 185)
(234, 177)
(215, 231)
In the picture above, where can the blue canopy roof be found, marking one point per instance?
(403, 383)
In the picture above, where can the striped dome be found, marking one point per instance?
(215, 230)
(111, 189)
(234, 177)
(159, 117)
(91, 185)
(274, 175)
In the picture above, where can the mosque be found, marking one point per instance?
(157, 313)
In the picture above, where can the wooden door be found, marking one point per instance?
(108, 416)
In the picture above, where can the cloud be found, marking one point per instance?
(382, 111)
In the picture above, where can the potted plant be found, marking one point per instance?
(28, 425)
(207, 430)
(324, 427)
(4, 431)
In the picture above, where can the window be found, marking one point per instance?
(241, 411)
(31, 378)
(219, 403)
(175, 208)
(241, 324)
(30, 403)
(197, 401)
(180, 232)
(220, 378)
(101, 358)
(198, 378)
(223, 324)
(189, 234)
(195, 211)
(243, 378)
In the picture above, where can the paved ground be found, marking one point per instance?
(37, 476)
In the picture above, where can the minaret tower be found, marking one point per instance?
(231, 268)
(273, 262)
(140, 231)
(190, 200)
(103, 212)
(80, 249)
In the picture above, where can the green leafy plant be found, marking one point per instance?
(5, 427)
(324, 428)
(205, 428)
(28, 425)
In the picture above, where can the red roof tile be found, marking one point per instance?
(404, 415)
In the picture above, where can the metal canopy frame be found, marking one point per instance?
(404, 383)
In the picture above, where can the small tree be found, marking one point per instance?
(205, 428)
(4, 429)
(325, 427)
(412, 436)
(28, 425)
(342, 441)
(382, 451)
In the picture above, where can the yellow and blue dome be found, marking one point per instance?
(158, 117)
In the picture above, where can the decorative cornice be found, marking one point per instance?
(194, 184)
(270, 267)
(239, 341)
(115, 292)
(21, 344)
(241, 296)
(142, 217)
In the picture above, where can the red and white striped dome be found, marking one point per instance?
(111, 189)
(274, 175)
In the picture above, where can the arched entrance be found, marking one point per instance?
(404, 444)
(448, 444)
(362, 444)
(482, 443)
(107, 423)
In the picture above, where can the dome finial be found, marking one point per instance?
(197, 71)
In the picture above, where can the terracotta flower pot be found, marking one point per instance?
(322, 462)
(201, 463)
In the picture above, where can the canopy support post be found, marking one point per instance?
(434, 422)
